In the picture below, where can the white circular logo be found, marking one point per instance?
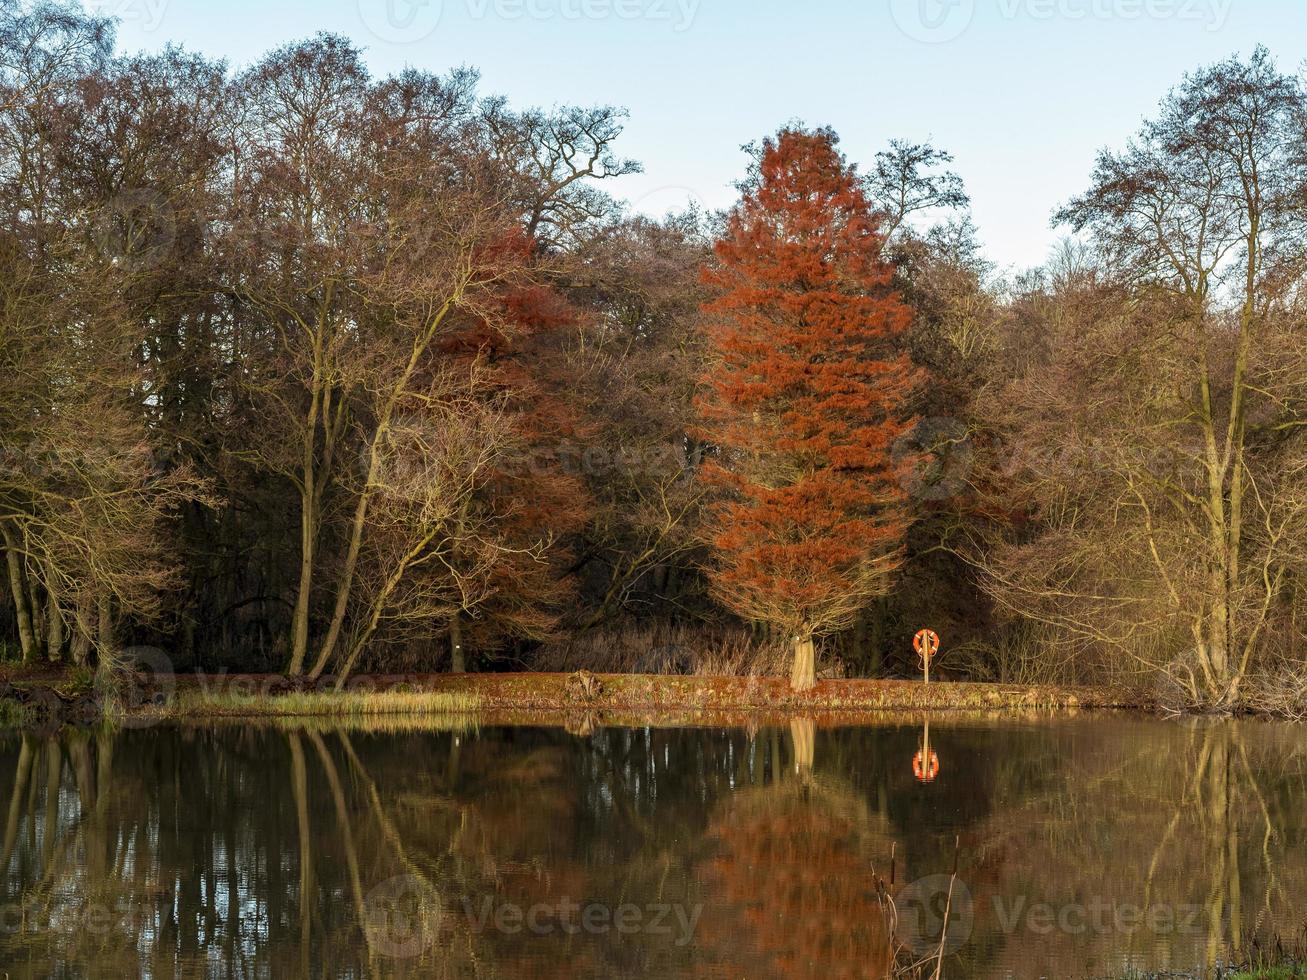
(922, 907)
(935, 456)
(933, 21)
(135, 228)
(396, 919)
(401, 21)
(669, 199)
(149, 682)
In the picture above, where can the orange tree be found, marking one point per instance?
(804, 397)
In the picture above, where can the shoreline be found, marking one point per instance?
(572, 699)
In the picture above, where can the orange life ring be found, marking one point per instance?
(919, 769)
(926, 643)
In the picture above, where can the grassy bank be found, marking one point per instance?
(669, 698)
(581, 702)
(198, 703)
(620, 692)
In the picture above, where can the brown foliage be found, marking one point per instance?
(805, 395)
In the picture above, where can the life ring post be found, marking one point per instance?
(926, 643)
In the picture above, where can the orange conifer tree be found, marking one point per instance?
(804, 397)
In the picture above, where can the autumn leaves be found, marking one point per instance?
(805, 394)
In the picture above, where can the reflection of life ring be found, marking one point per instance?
(924, 774)
(926, 643)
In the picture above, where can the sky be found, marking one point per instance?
(1023, 93)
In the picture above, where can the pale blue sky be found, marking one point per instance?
(1023, 92)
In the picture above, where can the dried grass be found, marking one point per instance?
(193, 703)
(675, 650)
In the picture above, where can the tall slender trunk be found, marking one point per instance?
(299, 638)
(804, 675)
(365, 633)
(348, 839)
(103, 772)
(18, 589)
(1218, 647)
(453, 761)
(345, 584)
(457, 656)
(21, 773)
(300, 786)
(1215, 795)
(54, 621)
(358, 525)
(106, 647)
(83, 629)
(54, 770)
(1213, 646)
(803, 732)
(36, 603)
(312, 478)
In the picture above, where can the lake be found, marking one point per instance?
(1084, 846)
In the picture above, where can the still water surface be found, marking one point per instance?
(1084, 847)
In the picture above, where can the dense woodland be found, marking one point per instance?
(314, 372)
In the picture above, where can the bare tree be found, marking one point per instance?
(1156, 433)
(908, 179)
(552, 160)
(85, 496)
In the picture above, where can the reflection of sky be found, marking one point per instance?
(1024, 96)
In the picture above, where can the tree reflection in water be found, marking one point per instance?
(302, 851)
(789, 878)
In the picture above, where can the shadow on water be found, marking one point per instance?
(1084, 846)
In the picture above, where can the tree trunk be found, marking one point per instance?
(21, 773)
(803, 732)
(345, 585)
(359, 523)
(804, 676)
(659, 577)
(1218, 638)
(1216, 792)
(18, 588)
(106, 648)
(457, 656)
(300, 786)
(36, 604)
(54, 622)
(861, 658)
(299, 638)
(453, 765)
(672, 588)
(312, 480)
(83, 631)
